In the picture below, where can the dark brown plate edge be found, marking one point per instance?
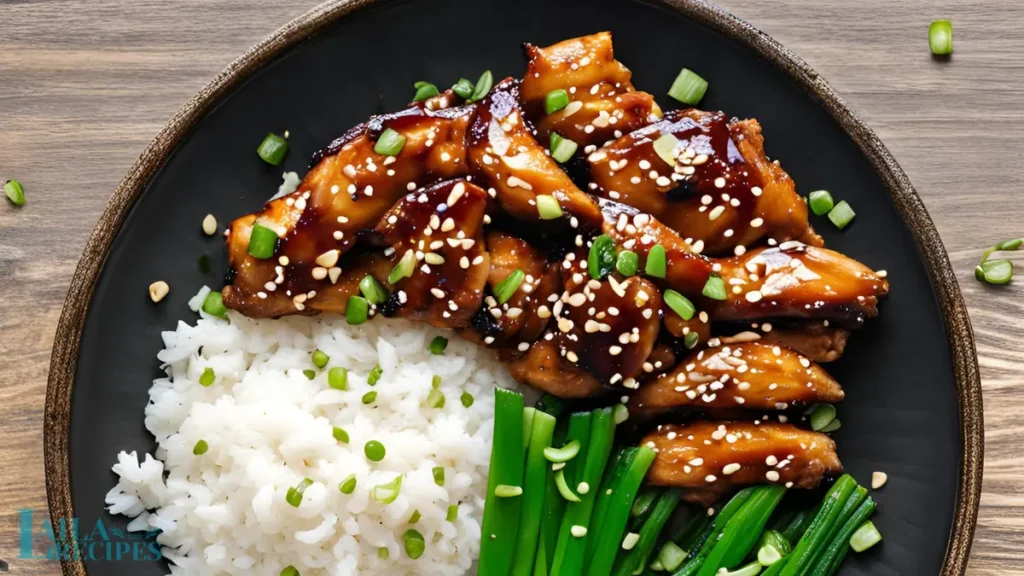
(63, 361)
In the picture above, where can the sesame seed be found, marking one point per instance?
(710, 478)
(716, 212)
(730, 468)
(772, 476)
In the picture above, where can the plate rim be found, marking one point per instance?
(959, 334)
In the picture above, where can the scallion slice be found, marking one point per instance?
(404, 268)
(415, 517)
(548, 207)
(820, 202)
(865, 537)
(714, 288)
(374, 451)
(214, 305)
(207, 377)
(627, 263)
(435, 382)
(994, 271)
(679, 304)
(320, 358)
(387, 493)
(340, 435)
(506, 491)
(438, 473)
(357, 310)
(467, 399)
(768, 555)
(482, 87)
(290, 571)
(821, 415)
(671, 556)
(435, 399)
(262, 242)
(424, 90)
(940, 37)
(337, 378)
(374, 376)
(601, 260)
(200, 448)
(555, 101)
(562, 148)
(507, 287)
(348, 485)
(309, 374)
(688, 87)
(383, 553)
(438, 345)
(463, 88)
(832, 426)
(390, 143)
(372, 290)
(563, 487)
(657, 262)
(415, 545)
(563, 454)
(665, 147)
(690, 340)
(841, 215)
(620, 414)
(273, 149)
(453, 513)
(370, 397)
(14, 192)
(294, 495)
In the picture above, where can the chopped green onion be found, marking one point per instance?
(357, 310)
(562, 148)
(655, 566)
(404, 268)
(214, 305)
(506, 491)
(374, 451)
(665, 148)
(453, 512)
(463, 88)
(415, 517)
(627, 263)
(832, 426)
(262, 242)
(290, 571)
(435, 399)
(1011, 244)
(340, 434)
(865, 537)
(752, 569)
(337, 378)
(690, 340)
(714, 288)
(548, 207)
(483, 86)
(383, 553)
(775, 539)
(679, 304)
(309, 374)
(374, 376)
(940, 37)
(294, 495)
(207, 377)
(507, 287)
(467, 399)
(320, 359)
(435, 382)
(424, 90)
(671, 556)
(821, 415)
(555, 101)
(372, 290)
(438, 344)
(370, 397)
(563, 487)
(563, 454)
(200, 448)
(657, 262)
(601, 259)
(14, 192)
(994, 271)
(390, 143)
(768, 555)
(688, 87)
(272, 149)
(841, 215)
(820, 202)
(387, 493)
(620, 413)
(348, 485)
(438, 473)
(415, 545)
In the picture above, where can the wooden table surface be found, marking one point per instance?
(86, 84)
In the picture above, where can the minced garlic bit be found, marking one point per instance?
(157, 290)
(878, 479)
(210, 225)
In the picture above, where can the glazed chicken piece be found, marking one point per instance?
(819, 341)
(601, 334)
(524, 316)
(346, 192)
(792, 280)
(713, 183)
(602, 100)
(712, 458)
(502, 148)
(753, 376)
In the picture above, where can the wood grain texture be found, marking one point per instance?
(86, 84)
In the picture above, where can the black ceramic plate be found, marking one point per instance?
(913, 400)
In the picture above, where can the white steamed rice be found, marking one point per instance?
(268, 427)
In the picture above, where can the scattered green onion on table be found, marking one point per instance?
(997, 272)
